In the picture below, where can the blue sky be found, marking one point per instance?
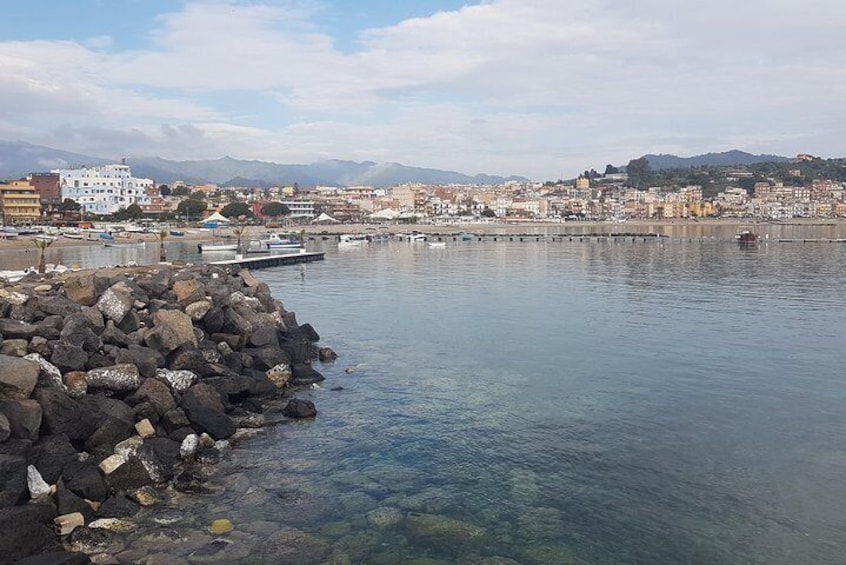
(541, 88)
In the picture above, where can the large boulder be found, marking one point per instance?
(13, 488)
(117, 378)
(51, 454)
(116, 302)
(84, 479)
(69, 357)
(18, 377)
(172, 328)
(188, 291)
(49, 374)
(204, 408)
(58, 305)
(116, 422)
(24, 417)
(298, 408)
(145, 358)
(62, 414)
(80, 288)
(27, 530)
(156, 393)
(15, 329)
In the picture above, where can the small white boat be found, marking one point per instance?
(216, 247)
(437, 244)
(276, 241)
(117, 243)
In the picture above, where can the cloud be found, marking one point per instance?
(504, 86)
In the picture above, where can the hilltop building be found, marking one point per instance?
(103, 190)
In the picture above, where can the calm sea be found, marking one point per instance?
(678, 401)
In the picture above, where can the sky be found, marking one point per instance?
(539, 88)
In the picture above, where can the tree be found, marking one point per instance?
(164, 190)
(162, 236)
(69, 205)
(191, 208)
(42, 243)
(133, 212)
(488, 213)
(611, 170)
(236, 210)
(197, 195)
(180, 191)
(639, 172)
(275, 209)
(239, 233)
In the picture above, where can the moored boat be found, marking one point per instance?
(746, 237)
(216, 247)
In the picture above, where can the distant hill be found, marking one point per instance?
(18, 159)
(724, 159)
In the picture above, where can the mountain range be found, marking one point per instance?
(17, 159)
(724, 159)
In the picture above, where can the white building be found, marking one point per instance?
(103, 190)
(300, 209)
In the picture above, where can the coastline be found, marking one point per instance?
(647, 226)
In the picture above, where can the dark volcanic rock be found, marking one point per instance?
(85, 479)
(298, 408)
(68, 502)
(18, 377)
(69, 357)
(62, 414)
(24, 418)
(204, 408)
(129, 476)
(304, 374)
(309, 332)
(156, 393)
(13, 488)
(118, 506)
(186, 358)
(146, 359)
(50, 456)
(58, 306)
(116, 422)
(27, 530)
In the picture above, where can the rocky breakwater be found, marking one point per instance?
(118, 384)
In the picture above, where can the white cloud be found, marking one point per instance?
(542, 88)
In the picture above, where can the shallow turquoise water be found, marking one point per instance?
(594, 402)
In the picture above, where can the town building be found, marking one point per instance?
(48, 187)
(19, 203)
(103, 190)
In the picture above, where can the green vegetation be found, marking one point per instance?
(236, 210)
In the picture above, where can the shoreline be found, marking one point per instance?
(251, 232)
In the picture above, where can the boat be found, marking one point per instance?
(746, 237)
(256, 246)
(106, 237)
(466, 236)
(277, 241)
(124, 243)
(176, 233)
(216, 247)
(72, 235)
(8, 233)
(438, 244)
(350, 239)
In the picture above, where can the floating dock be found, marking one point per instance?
(271, 260)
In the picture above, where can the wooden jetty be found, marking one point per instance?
(271, 260)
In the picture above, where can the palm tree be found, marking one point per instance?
(239, 231)
(42, 243)
(162, 235)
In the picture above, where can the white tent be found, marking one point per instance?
(219, 218)
(325, 218)
(386, 214)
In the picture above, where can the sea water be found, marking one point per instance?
(675, 401)
(666, 401)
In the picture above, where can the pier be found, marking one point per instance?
(271, 260)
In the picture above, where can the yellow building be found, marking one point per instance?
(19, 203)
